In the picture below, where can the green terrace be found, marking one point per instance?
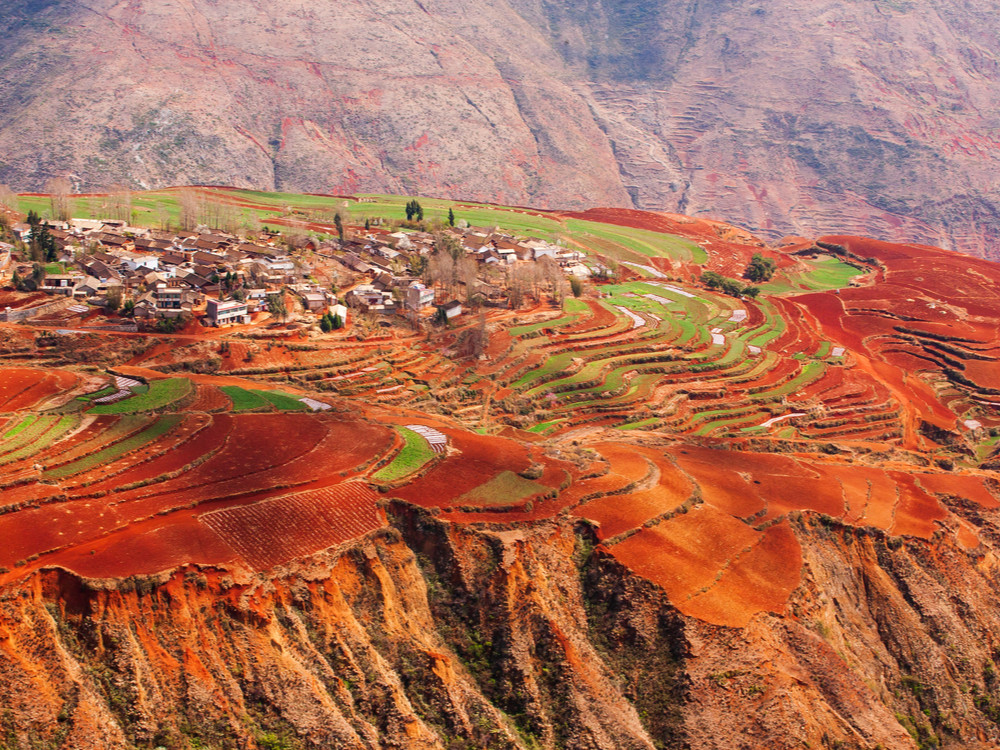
(261, 400)
(116, 450)
(415, 453)
(161, 394)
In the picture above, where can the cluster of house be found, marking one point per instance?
(383, 257)
(167, 274)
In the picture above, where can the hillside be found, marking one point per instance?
(652, 516)
(866, 118)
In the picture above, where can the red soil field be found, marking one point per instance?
(103, 433)
(684, 555)
(23, 388)
(722, 487)
(479, 459)
(883, 499)
(313, 448)
(916, 513)
(760, 581)
(600, 317)
(189, 429)
(964, 486)
(619, 513)
(856, 484)
(210, 398)
(275, 531)
(17, 300)
(180, 455)
(983, 373)
(627, 465)
(787, 493)
(85, 521)
(148, 549)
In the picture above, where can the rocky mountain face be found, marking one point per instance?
(874, 118)
(430, 635)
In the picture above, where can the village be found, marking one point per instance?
(113, 274)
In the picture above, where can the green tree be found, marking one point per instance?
(732, 287)
(576, 285)
(712, 280)
(114, 298)
(414, 211)
(128, 308)
(276, 306)
(339, 223)
(751, 291)
(760, 268)
(451, 217)
(41, 244)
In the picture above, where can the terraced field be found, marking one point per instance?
(689, 431)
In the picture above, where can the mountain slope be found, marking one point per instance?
(875, 118)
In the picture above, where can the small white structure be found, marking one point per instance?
(223, 312)
(437, 439)
(168, 297)
(418, 296)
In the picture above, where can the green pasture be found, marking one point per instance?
(416, 452)
(157, 429)
(161, 394)
(37, 443)
(506, 488)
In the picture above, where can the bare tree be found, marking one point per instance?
(8, 198)
(119, 203)
(58, 189)
(554, 275)
(189, 208)
(162, 214)
(251, 222)
(515, 287)
(445, 242)
(468, 275)
(220, 215)
(440, 269)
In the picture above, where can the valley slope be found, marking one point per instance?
(865, 118)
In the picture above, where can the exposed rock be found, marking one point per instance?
(439, 636)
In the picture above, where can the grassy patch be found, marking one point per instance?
(20, 426)
(573, 307)
(282, 401)
(543, 428)
(161, 393)
(159, 428)
(244, 400)
(506, 488)
(642, 424)
(30, 432)
(42, 441)
(415, 453)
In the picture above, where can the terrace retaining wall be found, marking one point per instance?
(16, 316)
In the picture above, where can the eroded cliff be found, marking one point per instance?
(434, 635)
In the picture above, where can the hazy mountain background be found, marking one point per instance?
(876, 117)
